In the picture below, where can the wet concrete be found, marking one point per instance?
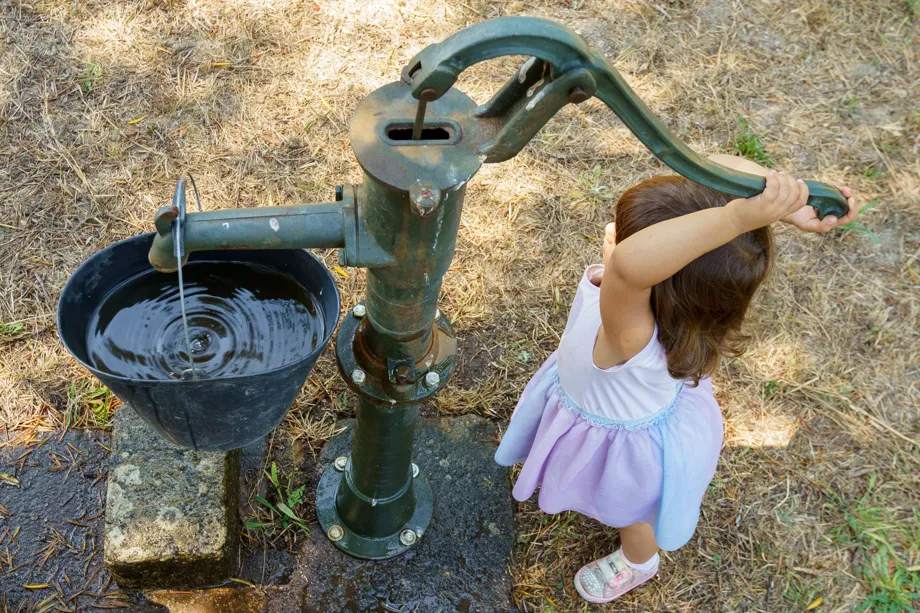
(217, 600)
(461, 565)
(52, 501)
(53, 494)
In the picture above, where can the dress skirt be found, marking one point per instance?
(653, 470)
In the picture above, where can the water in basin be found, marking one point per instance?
(243, 318)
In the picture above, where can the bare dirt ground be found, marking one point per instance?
(102, 104)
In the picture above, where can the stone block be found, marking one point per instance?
(172, 513)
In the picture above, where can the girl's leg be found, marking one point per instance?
(632, 565)
(638, 541)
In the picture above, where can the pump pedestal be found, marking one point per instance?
(374, 502)
(462, 562)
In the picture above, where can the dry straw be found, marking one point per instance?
(103, 103)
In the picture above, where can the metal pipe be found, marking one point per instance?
(383, 434)
(402, 298)
(304, 226)
(376, 497)
(403, 357)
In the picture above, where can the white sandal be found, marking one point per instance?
(609, 578)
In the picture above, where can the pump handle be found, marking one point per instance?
(567, 56)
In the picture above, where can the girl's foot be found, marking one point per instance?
(609, 578)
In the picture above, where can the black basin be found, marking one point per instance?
(210, 414)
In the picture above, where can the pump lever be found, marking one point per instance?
(566, 60)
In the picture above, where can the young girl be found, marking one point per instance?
(620, 423)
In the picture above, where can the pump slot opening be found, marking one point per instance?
(405, 133)
(399, 133)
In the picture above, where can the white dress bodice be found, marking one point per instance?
(635, 390)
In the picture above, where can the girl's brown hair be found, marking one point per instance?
(700, 309)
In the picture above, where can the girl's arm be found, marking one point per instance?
(739, 163)
(659, 251)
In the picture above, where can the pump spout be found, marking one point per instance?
(304, 226)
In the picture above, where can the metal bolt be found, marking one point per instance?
(408, 537)
(401, 373)
(425, 198)
(336, 533)
(415, 470)
(578, 95)
(428, 94)
(358, 376)
(359, 311)
(432, 379)
(341, 462)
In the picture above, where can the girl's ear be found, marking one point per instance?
(610, 231)
(610, 240)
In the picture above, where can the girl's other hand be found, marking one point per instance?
(782, 196)
(806, 219)
(610, 240)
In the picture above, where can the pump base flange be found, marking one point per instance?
(365, 547)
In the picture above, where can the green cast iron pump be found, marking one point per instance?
(419, 141)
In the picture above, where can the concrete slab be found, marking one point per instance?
(461, 565)
(171, 516)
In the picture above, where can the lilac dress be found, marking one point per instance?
(622, 445)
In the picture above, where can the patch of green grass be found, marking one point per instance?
(591, 186)
(883, 539)
(857, 226)
(850, 105)
(763, 548)
(913, 8)
(90, 405)
(890, 147)
(750, 144)
(283, 510)
(92, 73)
(563, 526)
(800, 592)
(872, 173)
(770, 388)
(11, 330)
(889, 591)
(523, 356)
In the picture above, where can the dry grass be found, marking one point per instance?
(102, 104)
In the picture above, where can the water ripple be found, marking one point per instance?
(243, 319)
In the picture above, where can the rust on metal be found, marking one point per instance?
(578, 95)
(425, 198)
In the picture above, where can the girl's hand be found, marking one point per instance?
(806, 219)
(782, 196)
(609, 240)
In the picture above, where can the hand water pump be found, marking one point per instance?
(419, 142)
